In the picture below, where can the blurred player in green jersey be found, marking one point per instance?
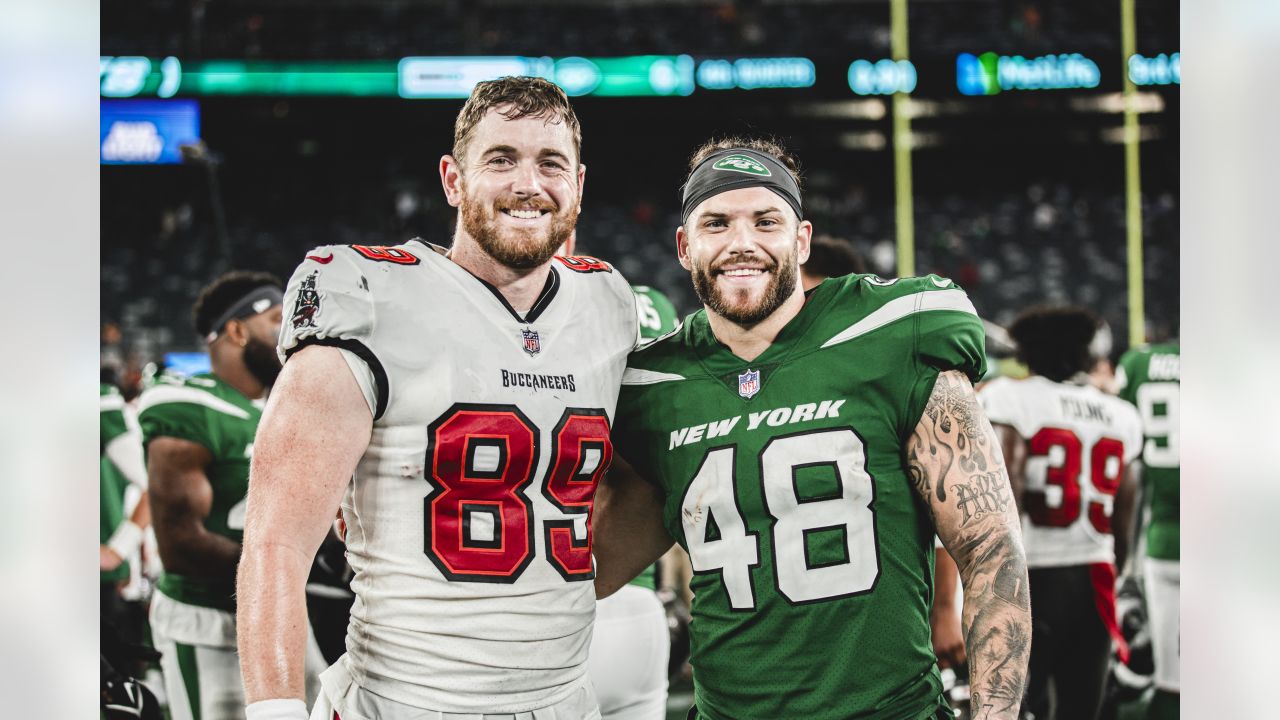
(1150, 377)
(198, 434)
(804, 449)
(120, 528)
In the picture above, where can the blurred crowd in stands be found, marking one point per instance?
(1050, 242)
(351, 29)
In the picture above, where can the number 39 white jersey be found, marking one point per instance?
(1079, 440)
(467, 517)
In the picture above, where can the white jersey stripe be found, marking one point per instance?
(635, 376)
(899, 308)
(161, 395)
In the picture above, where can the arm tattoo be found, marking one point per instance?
(956, 467)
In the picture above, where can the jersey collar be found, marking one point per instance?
(719, 361)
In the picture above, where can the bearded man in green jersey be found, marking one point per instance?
(804, 448)
(198, 435)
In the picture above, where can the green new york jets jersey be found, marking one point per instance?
(111, 422)
(785, 481)
(207, 411)
(111, 482)
(657, 314)
(1150, 378)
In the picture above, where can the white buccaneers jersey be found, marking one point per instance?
(1079, 440)
(467, 517)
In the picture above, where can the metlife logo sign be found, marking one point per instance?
(989, 73)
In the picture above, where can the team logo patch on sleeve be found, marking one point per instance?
(307, 304)
(532, 345)
(749, 383)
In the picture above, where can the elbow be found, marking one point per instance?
(606, 586)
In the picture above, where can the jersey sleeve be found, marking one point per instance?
(111, 423)
(329, 302)
(175, 411)
(1134, 439)
(949, 333)
(1126, 389)
(656, 313)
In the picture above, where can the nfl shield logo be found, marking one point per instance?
(531, 343)
(749, 383)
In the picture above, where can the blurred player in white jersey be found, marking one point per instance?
(1068, 446)
(457, 407)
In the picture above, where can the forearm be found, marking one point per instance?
(271, 621)
(957, 468)
(627, 530)
(1124, 518)
(945, 579)
(997, 621)
(196, 552)
(141, 515)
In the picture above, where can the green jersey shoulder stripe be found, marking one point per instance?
(898, 308)
(636, 376)
(162, 395)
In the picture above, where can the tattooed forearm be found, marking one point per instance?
(956, 467)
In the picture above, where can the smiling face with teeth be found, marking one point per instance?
(518, 187)
(743, 249)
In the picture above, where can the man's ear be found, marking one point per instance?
(237, 332)
(582, 183)
(804, 235)
(451, 179)
(682, 248)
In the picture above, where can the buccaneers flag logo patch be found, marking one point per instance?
(308, 303)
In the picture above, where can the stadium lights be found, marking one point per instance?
(1143, 102)
(845, 109)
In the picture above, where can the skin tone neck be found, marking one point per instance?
(227, 362)
(529, 160)
(750, 341)
(520, 287)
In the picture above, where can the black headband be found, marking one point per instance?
(738, 168)
(259, 299)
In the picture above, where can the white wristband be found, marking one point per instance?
(126, 539)
(279, 709)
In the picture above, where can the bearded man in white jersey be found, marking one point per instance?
(456, 407)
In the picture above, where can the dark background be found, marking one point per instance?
(1018, 196)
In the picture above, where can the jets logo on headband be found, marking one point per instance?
(742, 164)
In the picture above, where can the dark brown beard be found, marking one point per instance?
(261, 360)
(526, 250)
(779, 289)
